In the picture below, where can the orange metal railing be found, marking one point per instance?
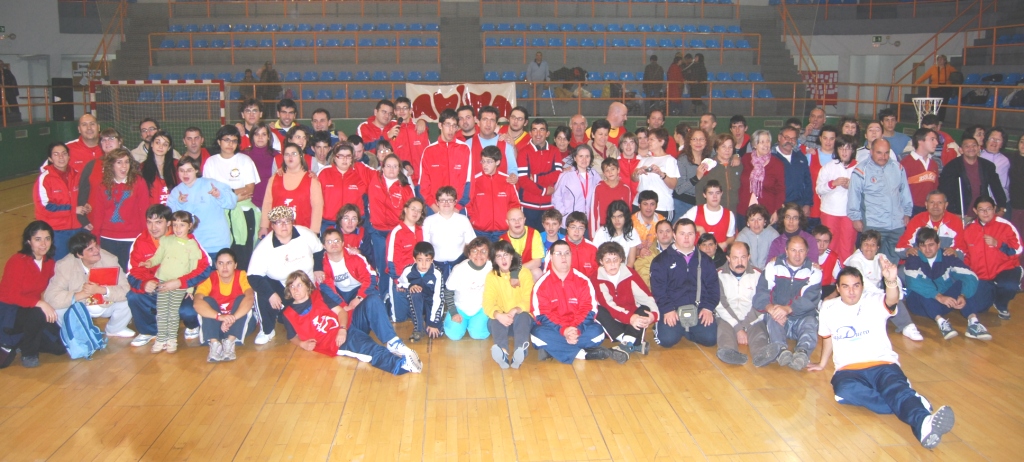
(880, 9)
(993, 33)
(289, 7)
(274, 48)
(607, 36)
(663, 9)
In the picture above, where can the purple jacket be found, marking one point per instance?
(569, 195)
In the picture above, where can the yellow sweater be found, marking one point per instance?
(500, 297)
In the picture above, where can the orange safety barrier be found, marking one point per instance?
(34, 97)
(880, 9)
(606, 36)
(289, 7)
(230, 37)
(678, 8)
(994, 34)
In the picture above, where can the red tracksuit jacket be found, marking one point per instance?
(445, 164)
(565, 302)
(492, 198)
(623, 298)
(409, 146)
(339, 189)
(538, 169)
(56, 197)
(386, 204)
(987, 261)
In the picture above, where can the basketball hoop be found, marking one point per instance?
(925, 106)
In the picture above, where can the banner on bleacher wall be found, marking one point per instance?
(429, 100)
(821, 86)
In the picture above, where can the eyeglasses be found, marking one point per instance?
(517, 118)
(251, 111)
(478, 251)
(148, 129)
(561, 254)
(446, 201)
(332, 241)
(229, 140)
(450, 126)
(577, 228)
(291, 154)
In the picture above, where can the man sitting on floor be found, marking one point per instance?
(735, 311)
(938, 283)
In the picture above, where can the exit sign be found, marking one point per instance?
(876, 39)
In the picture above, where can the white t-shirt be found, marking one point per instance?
(858, 332)
(712, 218)
(236, 172)
(343, 279)
(449, 236)
(601, 236)
(653, 182)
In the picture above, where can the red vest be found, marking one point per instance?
(319, 323)
(297, 199)
(224, 301)
(721, 229)
(527, 255)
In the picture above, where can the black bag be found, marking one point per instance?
(979, 96)
(993, 78)
(956, 78)
(565, 74)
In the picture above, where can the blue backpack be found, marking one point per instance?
(81, 337)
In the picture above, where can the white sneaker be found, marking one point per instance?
(263, 339)
(412, 363)
(142, 340)
(936, 425)
(912, 333)
(123, 333)
(191, 333)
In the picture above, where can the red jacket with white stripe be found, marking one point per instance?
(357, 266)
(445, 164)
(372, 134)
(623, 293)
(339, 189)
(399, 248)
(584, 257)
(565, 302)
(81, 154)
(950, 230)
(987, 261)
(492, 198)
(538, 169)
(143, 249)
(386, 203)
(56, 198)
(409, 146)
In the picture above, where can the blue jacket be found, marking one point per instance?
(214, 233)
(799, 188)
(431, 283)
(798, 288)
(674, 281)
(882, 190)
(939, 277)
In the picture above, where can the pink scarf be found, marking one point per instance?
(757, 176)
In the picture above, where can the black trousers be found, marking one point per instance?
(37, 334)
(614, 328)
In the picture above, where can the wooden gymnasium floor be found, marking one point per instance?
(278, 402)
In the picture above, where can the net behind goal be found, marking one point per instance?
(174, 104)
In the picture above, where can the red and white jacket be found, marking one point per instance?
(987, 261)
(584, 257)
(56, 197)
(445, 164)
(358, 267)
(623, 293)
(538, 169)
(409, 146)
(950, 230)
(492, 198)
(371, 133)
(143, 249)
(399, 248)
(386, 203)
(565, 302)
(339, 189)
(81, 154)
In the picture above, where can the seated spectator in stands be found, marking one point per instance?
(993, 152)
(879, 198)
(619, 229)
(208, 200)
(488, 136)
(792, 222)
(938, 283)
(609, 189)
(712, 217)
(600, 145)
(287, 112)
(464, 293)
(677, 275)
(645, 219)
(710, 246)
(421, 283)
(897, 140)
(740, 138)
(379, 126)
(832, 187)
(949, 228)
(144, 284)
(321, 144)
(584, 252)
(727, 171)
(515, 132)
(118, 204)
(574, 191)
(322, 329)
(340, 184)
(493, 197)
(507, 305)
(735, 312)
(579, 127)
(289, 248)
(625, 306)
(867, 370)
(869, 262)
(922, 173)
(969, 177)
(645, 255)
(28, 322)
(993, 253)
(616, 118)
(763, 180)
(448, 232)
(527, 241)
(659, 173)
(828, 261)
(815, 121)
(758, 235)
(224, 305)
(565, 307)
(297, 189)
(70, 284)
(948, 149)
(788, 294)
(692, 168)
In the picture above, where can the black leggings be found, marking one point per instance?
(36, 334)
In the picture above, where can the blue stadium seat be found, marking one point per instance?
(765, 93)
(524, 93)
(629, 28)
(320, 27)
(732, 94)
(201, 44)
(224, 28)
(182, 96)
(521, 76)
(505, 42)
(717, 94)
(191, 76)
(746, 93)
(365, 42)
(711, 76)
(651, 43)
(1011, 79)
(675, 28)
(336, 27)
(167, 44)
(742, 44)
(184, 44)
(397, 76)
(309, 76)
(383, 42)
(554, 42)
(360, 94)
(490, 42)
(323, 94)
(307, 95)
(384, 27)
(367, 26)
(566, 27)
(256, 28)
(208, 28)
(156, 77)
(300, 43)
(695, 43)
(595, 93)
(287, 27)
(572, 42)
(618, 42)
(519, 27)
(235, 95)
(328, 76)
(504, 27)
(643, 28)
(609, 76)
(250, 43)
(399, 93)
(627, 76)
(431, 27)
(614, 28)
(587, 42)
(345, 76)
(536, 27)
(206, 76)
(418, 42)
(704, 29)
(658, 28)
(239, 76)
(972, 79)
(333, 43)
(711, 43)
(432, 76)
(487, 27)
(727, 43)
(362, 76)
(218, 44)
(273, 28)
(147, 96)
(292, 77)
(537, 42)
(401, 27)
(379, 76)
(598, 28)
(739, 77)
(734, 29)
(415, 76)
(689, 28)
(431, 42)
(173, 76)
(352, 27)
(348, 43)
(283, 43)
(191, 28)
(491, 76)
(175, 28)
(718, 29)
(665, 43)
(593, 76)
(508, 76)
(583, 27)
(678, 43)
(379, 94)
(339, 94)
(415, 27)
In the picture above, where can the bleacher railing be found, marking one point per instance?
(874, 9)
(976, 7)
(607, 36)
(666, 9)
(229, 38)
(291, 7)
(993, 33)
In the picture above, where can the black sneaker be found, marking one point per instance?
(30, 361)
(416, 336)
(618, 354)
(7, 356)
(597, 353)
(1004, 312)
(730, 356)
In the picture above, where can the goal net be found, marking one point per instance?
(174, 104)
